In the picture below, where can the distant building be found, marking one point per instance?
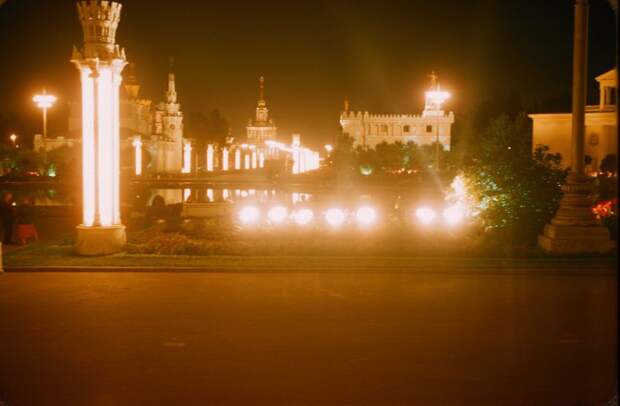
(159, 128)
(554, 130)
(261, 128)
(368, 130)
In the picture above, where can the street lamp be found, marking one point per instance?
(44, 101)
(13, 137)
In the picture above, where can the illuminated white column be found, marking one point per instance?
(100, 63)
(187, 157)
(254, 162)
(261, 159)
(225, 159)
(210, 194)
(210, 158)
(137, 144)
(246, 158)
(237, 159)
(187, 193)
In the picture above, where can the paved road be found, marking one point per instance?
(421, 338)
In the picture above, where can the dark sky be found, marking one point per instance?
(312, 53)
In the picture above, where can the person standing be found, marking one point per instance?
(7, 212)
(25, 225)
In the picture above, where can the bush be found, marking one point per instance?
(516, 192)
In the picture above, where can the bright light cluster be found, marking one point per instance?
(452, 215)
(333, 217)
(44, 101)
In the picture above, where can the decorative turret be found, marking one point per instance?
(171, 93)
(99, 23)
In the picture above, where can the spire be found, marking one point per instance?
(433, 77)
(346, 105)
(171, 93)
(261, 99)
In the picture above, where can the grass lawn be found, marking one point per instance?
(50, 255)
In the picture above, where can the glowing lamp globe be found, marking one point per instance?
(335, 217)
(249, 215)
(277, 214)
(425, 215)
(303, 216)
(454, 214)
(366, 170)
(366, 216)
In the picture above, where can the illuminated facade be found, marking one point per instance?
(554, 130)
(261, 128)
(100, 63)
(160, 128)
(368, 130)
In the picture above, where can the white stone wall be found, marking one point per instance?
(371, 129)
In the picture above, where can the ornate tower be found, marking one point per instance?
(100, 62)
(171, 119)
(261, 128)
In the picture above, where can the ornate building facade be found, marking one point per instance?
(433, 125)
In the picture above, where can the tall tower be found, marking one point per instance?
(100, 62)
(261, 128)
(172, 125)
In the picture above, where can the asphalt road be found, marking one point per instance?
(540, 337)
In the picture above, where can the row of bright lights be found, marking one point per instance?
(251, 215)
(336, 217)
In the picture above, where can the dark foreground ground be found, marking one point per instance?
(545, 335)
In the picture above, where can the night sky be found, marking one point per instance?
(313, 54)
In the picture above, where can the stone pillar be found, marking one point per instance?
(574, 229)
(100, 63)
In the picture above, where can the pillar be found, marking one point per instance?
(574, 229)
(100, 63)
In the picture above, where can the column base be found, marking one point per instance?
(565, 239)
(91, 241)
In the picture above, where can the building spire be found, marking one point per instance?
(261, 99)
(433, 78)
(171, 93)
(346, 104)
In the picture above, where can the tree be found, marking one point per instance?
(516, 191)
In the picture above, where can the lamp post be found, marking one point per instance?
(44, 101)
(13, 138)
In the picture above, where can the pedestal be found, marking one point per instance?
(574, 230)
(91, 241)
(575, 239)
